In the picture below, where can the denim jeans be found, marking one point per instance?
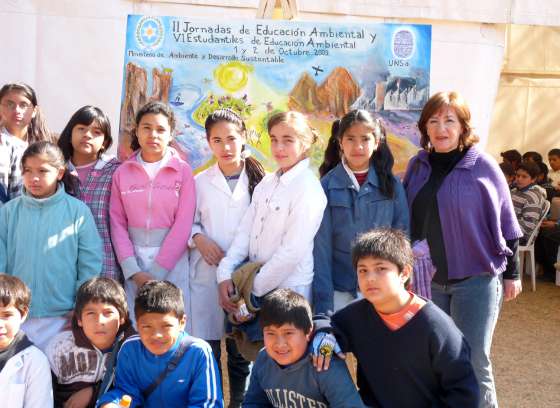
(474, 305)
(238, 370)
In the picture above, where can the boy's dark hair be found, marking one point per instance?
(284, 306)
(535, 156)
(512, 156)
(14, 292)
(543, 169)
(531, 169)
(159, 297)
(507, 169)
(554, 152)
(101, 290)
(384, 243)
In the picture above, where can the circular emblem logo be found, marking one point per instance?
(149, 33)
(403, 44)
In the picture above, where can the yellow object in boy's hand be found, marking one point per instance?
(326, 350)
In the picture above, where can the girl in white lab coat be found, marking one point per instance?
(223, 194)
(285, 213)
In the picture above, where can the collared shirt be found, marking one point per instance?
(351, 210)
(11, 150)
(278, 230)
(95, 191)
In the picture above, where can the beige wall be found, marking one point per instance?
(526, 112)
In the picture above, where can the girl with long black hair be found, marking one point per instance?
(362, 194)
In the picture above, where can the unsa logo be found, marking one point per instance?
(149, 33)
(403, 44)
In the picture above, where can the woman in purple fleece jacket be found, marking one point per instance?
(459, 202)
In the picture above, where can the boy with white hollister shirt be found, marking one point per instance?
(25, 378)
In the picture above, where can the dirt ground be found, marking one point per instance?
(526, 349)
(525, 352)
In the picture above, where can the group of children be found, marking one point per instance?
(168, 246)
(531, 185)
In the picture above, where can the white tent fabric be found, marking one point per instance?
(542, 12)
(525, 115)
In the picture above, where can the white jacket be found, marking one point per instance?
(25, 381)
(278, 229)
(218, 214)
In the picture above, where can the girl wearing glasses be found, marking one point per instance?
(20, 123)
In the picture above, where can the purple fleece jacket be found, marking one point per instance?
(475, 210)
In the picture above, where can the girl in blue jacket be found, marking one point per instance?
(362, 193)
(49, 240)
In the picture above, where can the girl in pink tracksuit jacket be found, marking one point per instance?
(152, 206)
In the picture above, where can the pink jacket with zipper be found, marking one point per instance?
(152, 213)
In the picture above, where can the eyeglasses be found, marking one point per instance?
(22, 105)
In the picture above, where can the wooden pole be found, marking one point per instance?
(289, 8)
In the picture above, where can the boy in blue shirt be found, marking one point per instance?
(410, 354)
(163, 366)
(283, 374)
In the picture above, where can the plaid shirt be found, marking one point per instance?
(11, 150)
(95, 192)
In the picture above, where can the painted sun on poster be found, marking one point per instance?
(260, 67)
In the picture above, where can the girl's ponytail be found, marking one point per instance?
(382, 160)
(70, 183)
(332, 152)
(255, 172)
(38, 130)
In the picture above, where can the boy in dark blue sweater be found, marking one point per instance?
(410, 354)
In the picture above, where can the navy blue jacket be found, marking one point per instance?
(348, 213)
(424, 364)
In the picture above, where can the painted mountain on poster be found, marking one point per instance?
(335, 95)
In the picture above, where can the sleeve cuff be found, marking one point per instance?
(196, 229)
(158, 271)
(322, 323)
(130, 267)
(222, 275)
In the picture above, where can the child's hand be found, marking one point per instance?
(140, 278)
(225, 290)
(323, 346)
(210, 251)
(79, 399)
(512, 288)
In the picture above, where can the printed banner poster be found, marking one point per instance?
(260, 67)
